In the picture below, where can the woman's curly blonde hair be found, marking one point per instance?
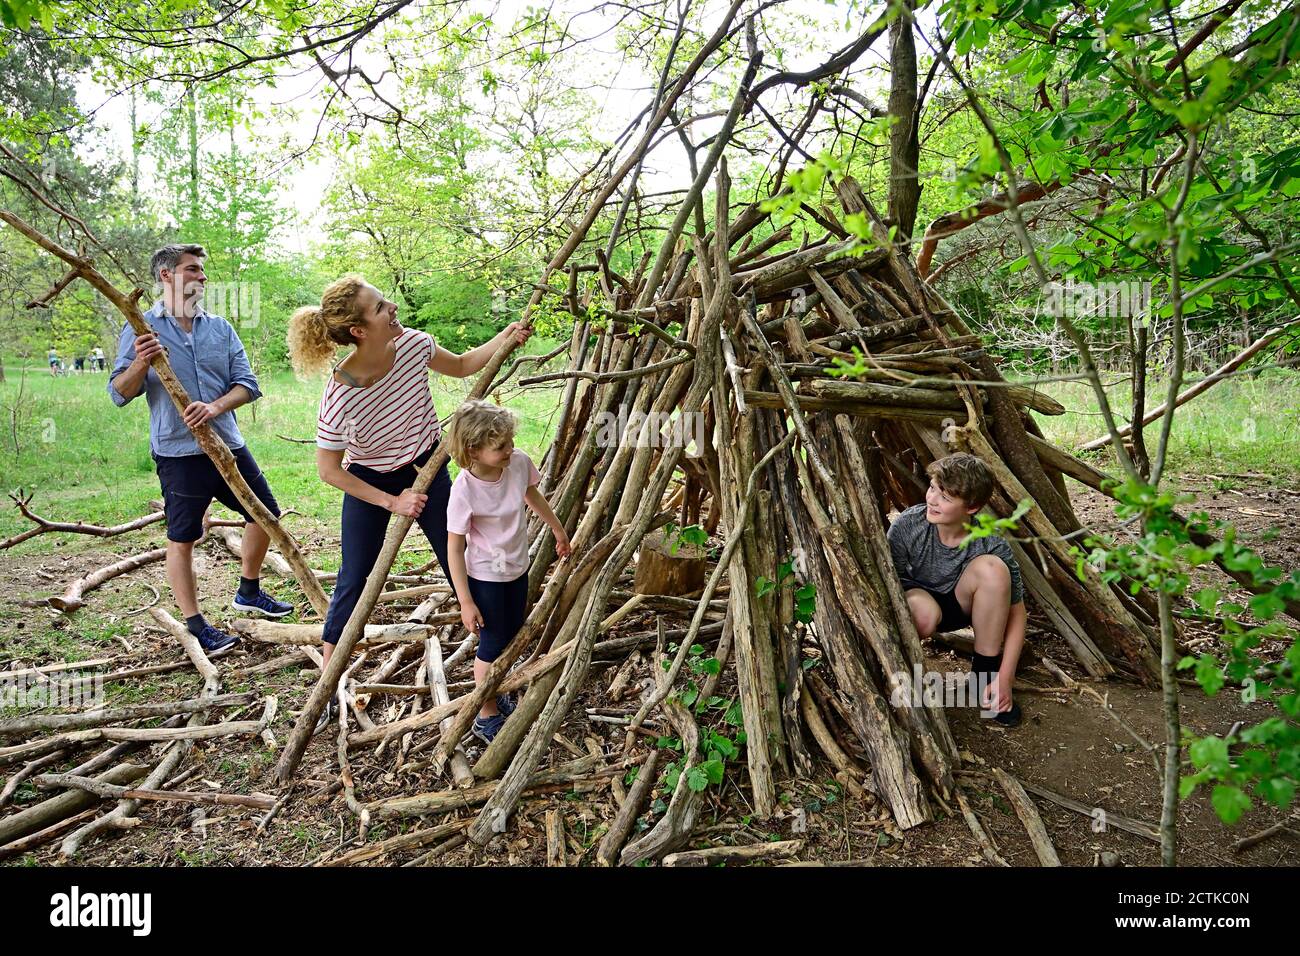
(317, 331)
(479, 424)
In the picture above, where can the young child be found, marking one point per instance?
(487, 538)
(948, 587)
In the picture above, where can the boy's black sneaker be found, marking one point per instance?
(1009, 718)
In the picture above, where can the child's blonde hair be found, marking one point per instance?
(479, 424)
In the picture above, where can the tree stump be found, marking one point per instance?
(660, 571)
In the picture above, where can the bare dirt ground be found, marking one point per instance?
(1067, 743)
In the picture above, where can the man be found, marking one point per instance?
(209, 360)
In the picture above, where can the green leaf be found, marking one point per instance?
(1229, 802)
(1210, 753)
(1209, 674)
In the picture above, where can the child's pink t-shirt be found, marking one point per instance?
(492, 517)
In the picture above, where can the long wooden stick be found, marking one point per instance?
(1028, 814)
(714, 855)
(44, 525)
(612, 843)
(101, 716)
(113, 792)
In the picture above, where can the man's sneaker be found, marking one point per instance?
(263, 604)
(486, 728)
(216, 642)
(506, 703)
(327, 717)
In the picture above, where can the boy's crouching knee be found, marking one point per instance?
(993, 573)
(925, 615)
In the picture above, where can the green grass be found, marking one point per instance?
(88, 459)
(1245, 424)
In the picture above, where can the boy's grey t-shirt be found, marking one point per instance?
(923, 561)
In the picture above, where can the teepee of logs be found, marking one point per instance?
(798, 468)
(803, 467)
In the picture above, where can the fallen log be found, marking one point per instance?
(234, 542)
(73, 598)
(612, 842)
(45, 526)
(272, 632)
(405, 841)
(41, 837)
(1028, 814)
(1148, 831)
(715, 855)
(110, 791)
(100, 717)
(580, 776)
(43, 814)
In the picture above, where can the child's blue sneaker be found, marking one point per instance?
(486, 728)
(263, 604)
(506, 703)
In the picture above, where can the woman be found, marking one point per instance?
(378, 410)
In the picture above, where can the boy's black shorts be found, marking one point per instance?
(190, 482)
(951, 616)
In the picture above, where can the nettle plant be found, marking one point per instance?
(1263, 758)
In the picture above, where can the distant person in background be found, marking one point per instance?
(97, 357)
(54, 361)
(209, 360)
(79, 364)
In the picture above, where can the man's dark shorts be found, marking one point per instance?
(190, 482)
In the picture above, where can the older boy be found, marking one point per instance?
(949, 587)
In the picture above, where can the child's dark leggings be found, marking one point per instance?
(364, 527)
(502, 604)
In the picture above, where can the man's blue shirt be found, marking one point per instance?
(208, 367)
